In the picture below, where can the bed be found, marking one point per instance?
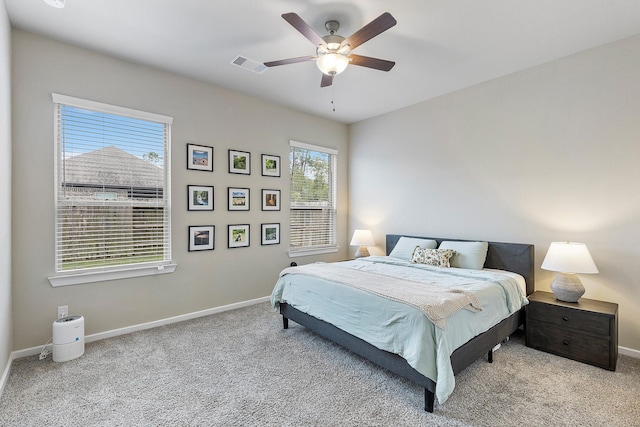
(440, 357)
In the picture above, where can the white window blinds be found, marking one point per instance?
(313, 198)
(112, 186)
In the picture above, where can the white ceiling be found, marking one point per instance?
(439, 46)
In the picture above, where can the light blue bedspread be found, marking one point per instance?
(400, 328)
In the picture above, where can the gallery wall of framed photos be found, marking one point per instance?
(208, 121)
(205, 214)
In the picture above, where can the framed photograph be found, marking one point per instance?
(271, 234)
(270, 165)
(239, 235)
(199, 157)
(239, 162)
(200, 197)
(270, 200)
(238, 199)
(202, 237)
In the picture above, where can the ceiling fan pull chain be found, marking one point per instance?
(333, 97)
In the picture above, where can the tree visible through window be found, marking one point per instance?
(112, 198)
(312, 197)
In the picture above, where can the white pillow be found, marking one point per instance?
(406, 245)
(468, 254)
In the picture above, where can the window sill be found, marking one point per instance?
(294, 253)
(102, 276)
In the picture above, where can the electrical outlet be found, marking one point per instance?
(63, 311)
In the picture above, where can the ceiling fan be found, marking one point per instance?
(333, 52)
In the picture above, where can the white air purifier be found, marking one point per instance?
(68, 338)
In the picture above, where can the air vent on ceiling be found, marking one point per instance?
(249, 64)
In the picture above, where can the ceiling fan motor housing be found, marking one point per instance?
(333, 41)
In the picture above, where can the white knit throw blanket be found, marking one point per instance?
(437, 303)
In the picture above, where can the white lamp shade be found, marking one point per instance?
(362, 238)
(569, 257)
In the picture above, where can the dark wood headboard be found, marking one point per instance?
(515, 257)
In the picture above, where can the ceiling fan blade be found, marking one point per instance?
(379, 25)
(304, 28)
(289, 61)
(375, 63)
(327, 80)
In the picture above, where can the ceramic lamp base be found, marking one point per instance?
(362, 252)
(567, 287)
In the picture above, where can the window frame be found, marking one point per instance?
(98, 274)
(318, 249)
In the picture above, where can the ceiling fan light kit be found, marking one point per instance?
(333, 52)
(332, 63)
(333, 55)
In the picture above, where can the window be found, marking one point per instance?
(112, 192)
(312, 202)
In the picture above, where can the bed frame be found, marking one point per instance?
(515, 257)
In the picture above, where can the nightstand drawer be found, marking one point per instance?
(568, 343)
(586, 330)
(569, 318)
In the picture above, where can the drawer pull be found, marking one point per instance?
(565, 318)
(565, 342)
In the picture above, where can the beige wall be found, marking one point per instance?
(203, 114)
(547, 154)
(5, 190)
(542, 155)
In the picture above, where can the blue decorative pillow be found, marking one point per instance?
(405, 246)
(470, 255)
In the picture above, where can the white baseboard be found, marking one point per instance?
(140, 327)
(5, 374)
(629, 352)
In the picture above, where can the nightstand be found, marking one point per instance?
(586, 331)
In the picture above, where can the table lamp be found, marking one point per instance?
(362, 239)
(568, 259)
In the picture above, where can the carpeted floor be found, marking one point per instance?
(241, 368)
